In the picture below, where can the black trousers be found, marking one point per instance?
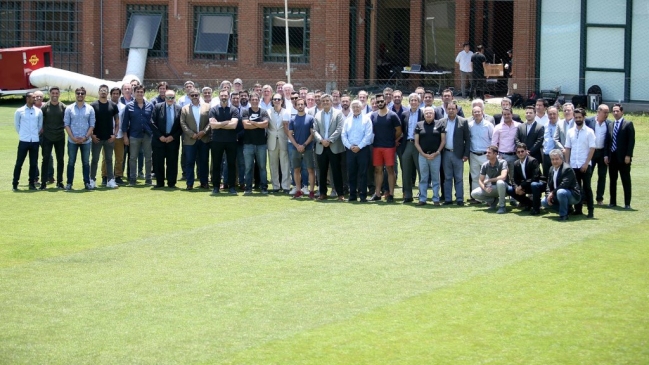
(602, 169)
(324, 159)
(357, 170)
(59, 150)
(230, 150)
(583, 179)
(25, 148)
(624, 170)
(547, 164)
(166, 154)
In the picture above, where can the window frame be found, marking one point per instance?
(233, 43)
(268, 55)
(161, 44)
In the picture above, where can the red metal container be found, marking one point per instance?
(16, 64)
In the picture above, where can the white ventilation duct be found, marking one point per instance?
(136, 64)
(67, 80)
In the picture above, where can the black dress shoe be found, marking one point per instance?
(407, 200)
(32, 186)
(448, 203)
(419, 204)
(375, 198)
(390, 199)
(363, 200)
(563, 218)
(627, 207)
(534, 212)
(460, 204)
(43, 186)
(189, 187)
(216, 191)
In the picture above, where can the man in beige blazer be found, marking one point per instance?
(329, 147)
(194, 121)
(278, 145)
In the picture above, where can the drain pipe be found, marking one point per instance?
(101, 38)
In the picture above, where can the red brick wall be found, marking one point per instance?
(329, 60)
(524, 48)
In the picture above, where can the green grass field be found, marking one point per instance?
(174, 277)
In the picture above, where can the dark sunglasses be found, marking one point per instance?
(275, 99)
(170, 97)
(194, 95)
(294, 98)
(80, 93)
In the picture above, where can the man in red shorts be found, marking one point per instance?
(387, 129)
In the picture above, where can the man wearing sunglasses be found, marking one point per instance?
(277, 139)
(103, 136)
(79, 122)
(165, 125)
(195, 123)
(527, 180)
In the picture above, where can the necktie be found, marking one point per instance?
(170, 118)
(614, 146)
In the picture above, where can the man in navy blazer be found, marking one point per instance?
(406, 151)
(456, 153)
(165, 126)
(620, 155)
(602, 127)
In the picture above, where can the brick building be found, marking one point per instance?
(334, 43)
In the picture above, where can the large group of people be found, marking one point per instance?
(315, 139)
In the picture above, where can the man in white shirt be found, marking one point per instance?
(357, 137)
(28, 121)
(463, 59)
(541, 115)
(602, 126)
(579, 150)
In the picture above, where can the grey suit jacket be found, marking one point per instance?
(189, 125)
(335, 129)
(461, 137)
(560, 134)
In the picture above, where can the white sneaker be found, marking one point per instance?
(333, 194)
(293, 191)
(111, 184)
(93, 184)
(305, 190)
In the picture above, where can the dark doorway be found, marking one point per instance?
(392, 37)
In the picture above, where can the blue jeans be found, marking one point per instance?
(250, 153)
(562, 200)
(304, 171)
(429, 169)
(453, 171)
(85, 161)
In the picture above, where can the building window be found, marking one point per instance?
(148, 13)
(215, 33)
(56, 23)
(299, 30)
(10, 24)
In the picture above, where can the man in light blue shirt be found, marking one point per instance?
(548, 138)
(79, 122)
(357, 136)
(28, 121)
(481, 133)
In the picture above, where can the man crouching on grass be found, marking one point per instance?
(301, 137)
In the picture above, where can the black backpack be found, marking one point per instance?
(517, 100)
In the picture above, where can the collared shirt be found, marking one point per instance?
(523, 168)
(464, 59)
(79, 120)
(398, 112)
(28, 123)
(136, 121)
(548, 138)
(184, 100)
(357, 130)
(543, 121)
(600, 134)
(481, 135)
(555, 174)
(580, 141)
(196, 110)
(267, 106)
(412, 124)
(450, 132)
(120, 107)
(337, 107)
(326, 118)
(567, 124)
(367, 109)
(505, 137)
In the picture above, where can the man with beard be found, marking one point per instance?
(579, 150)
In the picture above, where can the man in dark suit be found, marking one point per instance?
(406, 151)
(506, 103)
(531, 133)
(447, 98)
(165, 125)
(562, 189)
(456, 153)
(527, 179)
(602, 128)
(620, 155)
